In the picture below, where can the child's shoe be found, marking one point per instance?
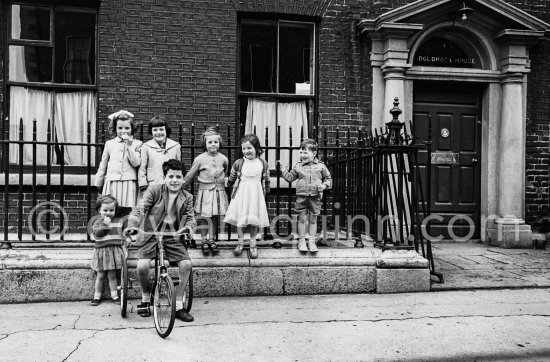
(205, 248)
(312, 245)
(184, 316)
(116, 300)
(253, 252)
(213, 247)
(253, 249)
(302, 245)
(239, 249)
(95, 302)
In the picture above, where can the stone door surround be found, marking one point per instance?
(501, 35)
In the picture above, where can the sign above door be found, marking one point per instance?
(440, 51)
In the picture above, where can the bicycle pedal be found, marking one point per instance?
(142, 310)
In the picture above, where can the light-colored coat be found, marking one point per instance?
(152, 158)
(119, 161)
(149, 213)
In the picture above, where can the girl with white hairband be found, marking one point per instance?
(117, 172)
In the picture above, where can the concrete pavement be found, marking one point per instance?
(477, 266)
(481, 325)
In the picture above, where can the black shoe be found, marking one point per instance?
(95, 302)
(184, 316)
(143, 309)
(205, 248)
(277, 245)
(213, 247)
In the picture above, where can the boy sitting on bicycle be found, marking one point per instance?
(164, 207)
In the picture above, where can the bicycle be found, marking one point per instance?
(163, 297)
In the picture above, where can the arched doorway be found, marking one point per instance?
(491, 56)
(449, 115)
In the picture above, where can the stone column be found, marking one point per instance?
(511, 145)
(509, 228)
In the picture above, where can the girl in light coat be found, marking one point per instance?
(156, 151)
(117, 172)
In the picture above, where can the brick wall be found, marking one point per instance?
(75, 205)
(537, 198)
(175, 58)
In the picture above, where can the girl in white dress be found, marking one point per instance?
(250, 180)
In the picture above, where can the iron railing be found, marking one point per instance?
(376, 181)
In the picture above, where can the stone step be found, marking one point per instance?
(62, 274)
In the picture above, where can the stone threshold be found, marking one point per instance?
(62, 274)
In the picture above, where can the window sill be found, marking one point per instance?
(68, 180)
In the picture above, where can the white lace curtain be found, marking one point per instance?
(68, 114)
(262, 114)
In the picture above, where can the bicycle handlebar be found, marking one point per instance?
(180, 232)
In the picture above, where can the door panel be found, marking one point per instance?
(455, 128)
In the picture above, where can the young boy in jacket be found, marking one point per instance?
(313, 178)
(164, 206)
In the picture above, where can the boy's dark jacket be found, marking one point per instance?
(149, 213)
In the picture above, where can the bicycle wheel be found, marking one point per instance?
(164, 306)
(188, 293)
(123, 288)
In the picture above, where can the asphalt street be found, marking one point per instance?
(475, 325)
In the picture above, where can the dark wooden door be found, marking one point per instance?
(455, 114)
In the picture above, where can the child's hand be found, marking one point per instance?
(106, 220)
(321, 187)
(130, 231)
(188, 229)
(127, 139)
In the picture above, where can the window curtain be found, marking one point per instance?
(30, 104)
(292, 117)
(18, 72)
(72, 113)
